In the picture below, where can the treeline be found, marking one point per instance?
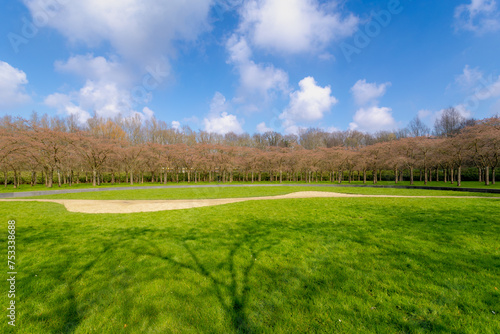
(59, 150)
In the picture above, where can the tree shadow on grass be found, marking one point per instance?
(63, 273)
(232, 295)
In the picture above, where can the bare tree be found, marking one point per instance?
(449, 123)
(417, 128)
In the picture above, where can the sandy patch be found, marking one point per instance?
(132, 206)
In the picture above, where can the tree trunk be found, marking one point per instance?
(94, 173)
(33, 178)
(396, 175)
(281, 176)
(50, 176)
(131, 178)
(425, 176)
(487, 176)
(459, 176)
(451, 176)
(375, 173)
(493, 170)
(411, 175)
(364, 176)
(480, 173)
(15, 179)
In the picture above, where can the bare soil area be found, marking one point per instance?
(132, 206)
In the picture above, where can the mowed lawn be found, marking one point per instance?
(339, 265)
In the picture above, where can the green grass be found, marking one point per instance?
(352, 265)
(240, 192)
(40, 187)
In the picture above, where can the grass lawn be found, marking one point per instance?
(355, 265)
(240, 192)
(40, 187)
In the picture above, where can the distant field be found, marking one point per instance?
(354, 265)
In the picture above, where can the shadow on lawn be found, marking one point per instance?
(238, 290)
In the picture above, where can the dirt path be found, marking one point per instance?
(131, 206)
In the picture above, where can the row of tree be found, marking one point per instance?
(138, 131)
(104, 152)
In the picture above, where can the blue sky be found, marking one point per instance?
(252, 65)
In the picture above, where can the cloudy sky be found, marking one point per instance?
(252, 65)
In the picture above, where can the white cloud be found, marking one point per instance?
(478, 87)
(139, 30)
(105, 99)
(294, 129)
(256, 80)
(294, 26)
(176, 125)
(107, 90)
(331, 129)
(463, 111)
(424, 113)
(12, 86)
(469, 77)
(64, 104)
(142, 34)
(262, 128)
(148, 113)
(308, 104)
(218, 104)
(373, 119)
(367, 93)
(95, 69)
(490, 89)
(218, 120)
(480, 16)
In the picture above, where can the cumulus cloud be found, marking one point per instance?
(297, 26)
(176, 125)
(95, 68)
(370, 117)
(310, 103)
(373, 119)
(367, 93)
(479, 16)
(12, 86)
(139, 30)
(219, 120)
(262, 128)
(105, 99)
(255, 79)
(143, 36)
(148, 113)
